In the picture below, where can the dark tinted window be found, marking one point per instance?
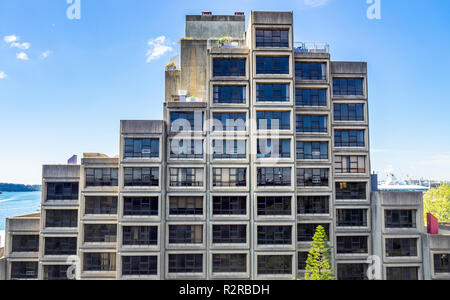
(349, 112)
(348, 86)
(102, 177)
(273, 120)
(272, 38)
(229, 94)
(311, 97)
(228, 67)
(62, 191)
(272, 65)
(276, 92)
(141, 148)
(312, 124)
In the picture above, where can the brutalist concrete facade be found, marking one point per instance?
(155, 213)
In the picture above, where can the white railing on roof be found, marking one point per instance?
(313, 47)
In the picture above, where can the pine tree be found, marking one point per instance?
(318, 264)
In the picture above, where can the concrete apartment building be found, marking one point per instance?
(263, 139)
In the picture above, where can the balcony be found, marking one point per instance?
(302, 47)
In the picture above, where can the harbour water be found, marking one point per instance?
(18, 204)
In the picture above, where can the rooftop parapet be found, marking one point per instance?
(398, 198)
(29, 223)
(99, 159)
(272, 18)
(142, 127)
(61, 171)
(212, 26)
(338, 67)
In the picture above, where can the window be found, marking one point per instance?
(310, 71)
(401, 247)
(229, 234)
(141, 176)
(229, 205)
(270, 38)
(223, 67)
(141, 148)
(351, 217)
(348, 87)
(185, 234)
(229, 122)
(229, 94)
(274, 235)
(402, 273)
(61, 218)
(102, 177)
(400, 218)
(351, 190)
(62, 191)
(350, 164)
(441, 263)
(229, 263)
(274, 206)
(312, 150)
(279, 148)
(186, 121)
(272, 65)
(311, 97)
(225, 177)
(313, 177)
(312, 124)
(349, 112)
(268, 177)
(25, 243)
(274, 264)
(105, 262)
(185, 263)
(100, 233)
(309, 205)
(229, 149)
(60, 246)
(349, 138)
(353, 272)
(352, 245)
(186, 177)
(99, 205)
(140, 235)
(24, 270)
(301, 261)
(272, 92)
(56, 272)
(186, 149)
(273, 120)
(185, 205)
(140, 206)
(139, 265)
(305, 232)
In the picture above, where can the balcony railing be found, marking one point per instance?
(302, 47)
(230, 43)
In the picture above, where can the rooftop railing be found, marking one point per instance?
(303, 47)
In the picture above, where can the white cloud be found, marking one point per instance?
(46, 54)
(11, 38)
(23, 46)
(22, 56)
(315, 3)
(157, 48)
(3, 75)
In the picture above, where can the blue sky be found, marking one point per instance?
(65, 84)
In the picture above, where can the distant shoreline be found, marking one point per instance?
(11, 188)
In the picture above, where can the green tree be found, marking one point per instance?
(437, 202)
(318, 264)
